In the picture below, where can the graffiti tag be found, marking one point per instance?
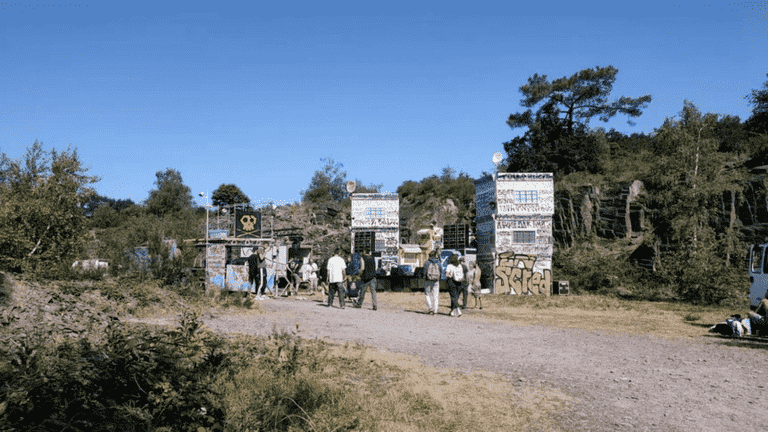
(514, 272)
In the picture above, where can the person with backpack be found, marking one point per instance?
(454, 275)
(368, 276)
(432, 282)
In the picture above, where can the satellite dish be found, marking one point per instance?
(351, 185)
(497, 157)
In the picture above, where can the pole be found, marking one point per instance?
(206, 244)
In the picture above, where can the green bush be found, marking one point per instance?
(132, 379)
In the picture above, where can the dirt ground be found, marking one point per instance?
(616, 382)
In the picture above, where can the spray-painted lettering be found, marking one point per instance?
(514, 273)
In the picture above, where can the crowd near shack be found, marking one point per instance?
(376, 227)
(514, 232)
(226, 251)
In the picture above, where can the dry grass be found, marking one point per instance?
(610, 315)
(385, 391)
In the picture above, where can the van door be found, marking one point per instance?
(758, 274)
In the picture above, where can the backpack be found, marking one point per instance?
(458, 273)
(433, 270)
(353, 268)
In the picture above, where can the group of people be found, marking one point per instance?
(361, 270)
(305, 270)
(462, 279)
(754, 324)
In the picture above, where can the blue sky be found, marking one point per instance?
(257, 93)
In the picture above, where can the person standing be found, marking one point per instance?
(294, 277)
(368, 272)
(432, 282)
(464, 283)
(473, 276)
(337, 273)
(256, 272)
(309, 274)
(454, 275)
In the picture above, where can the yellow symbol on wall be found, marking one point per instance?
(248, 222)
(515, 272)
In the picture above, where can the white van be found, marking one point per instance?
(758, 273)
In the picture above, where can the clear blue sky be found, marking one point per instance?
(256, 93)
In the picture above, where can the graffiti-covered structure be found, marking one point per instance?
(375, 222)
(514, 232)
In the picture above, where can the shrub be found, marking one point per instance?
(132, 379)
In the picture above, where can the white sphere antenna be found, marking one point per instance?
(351, 185)
(497, 157)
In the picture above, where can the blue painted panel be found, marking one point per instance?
(237, 278)
(212, 234)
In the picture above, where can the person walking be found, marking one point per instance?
(337, 272)
(368, 272)
(432, 282)
(454, 275)
(473, 276)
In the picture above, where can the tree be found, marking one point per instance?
(583, 95)
(758, 122)
(41, 215)
(228, 194)
(548, 146)
(689, 185)
(563, 144)
(171, 194)
(327, 185)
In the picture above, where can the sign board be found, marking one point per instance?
(247, 223)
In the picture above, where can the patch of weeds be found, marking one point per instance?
(692, 317)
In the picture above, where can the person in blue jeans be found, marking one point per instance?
(368, 272)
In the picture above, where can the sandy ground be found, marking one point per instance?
(616, 382)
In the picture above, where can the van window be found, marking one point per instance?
(757, 259)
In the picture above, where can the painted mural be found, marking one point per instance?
(515, 274)
(216, 260)
(237, 278)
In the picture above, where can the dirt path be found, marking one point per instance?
(628, 383)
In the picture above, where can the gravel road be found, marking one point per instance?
(617, 382)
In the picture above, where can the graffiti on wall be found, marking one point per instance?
(485, 237)
(515, 273)
(375, 211)
(524, 223)
(216, 260)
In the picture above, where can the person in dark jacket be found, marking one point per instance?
(256, 272)
(368, 272)
(464, 286)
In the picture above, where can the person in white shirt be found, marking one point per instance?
(337, 272)
(309, 274)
